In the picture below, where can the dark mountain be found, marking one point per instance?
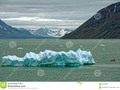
(103, 25)
(7, 31)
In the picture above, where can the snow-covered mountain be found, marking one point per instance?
(45, 32)
(62, 32)
(7, 31)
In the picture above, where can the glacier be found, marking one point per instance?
(50, 58)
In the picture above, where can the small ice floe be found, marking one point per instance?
(19, 48)
(81, 46)
(102, 45)
(61, 45)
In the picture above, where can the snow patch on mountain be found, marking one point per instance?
(1, 26)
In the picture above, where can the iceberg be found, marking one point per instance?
(50, 58)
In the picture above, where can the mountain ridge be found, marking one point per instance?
(7, 31)
(105, 24)
(45, 32)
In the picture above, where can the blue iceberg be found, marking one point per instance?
(50, 58)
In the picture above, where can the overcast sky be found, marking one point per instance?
(49, 13)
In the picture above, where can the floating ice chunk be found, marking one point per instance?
(102, 45)
(50, 58)
(19, 48)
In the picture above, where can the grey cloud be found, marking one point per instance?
(74, 10)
